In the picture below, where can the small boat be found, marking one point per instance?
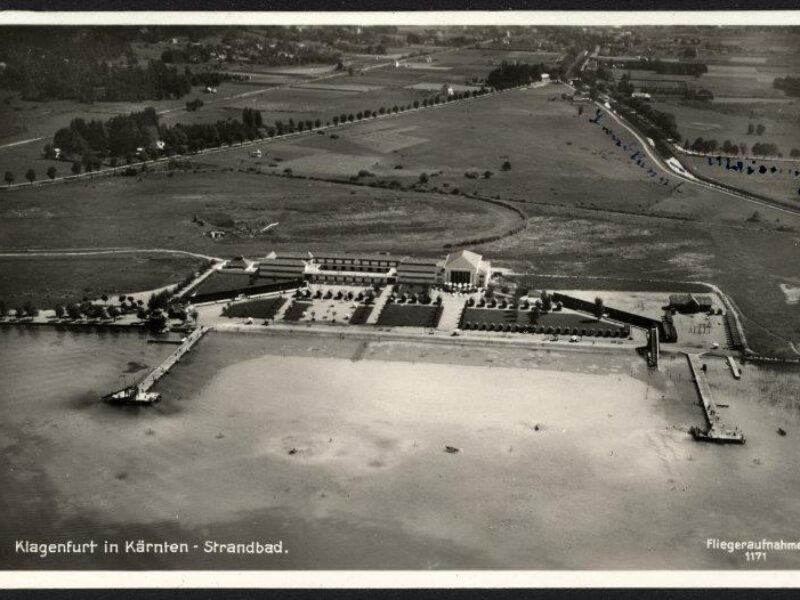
(132, 395)
(781, 431)
(452, 449)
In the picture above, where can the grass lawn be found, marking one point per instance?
(360, 315)
(413, 315)
(296, 310)
(47, 281)
(264, 308)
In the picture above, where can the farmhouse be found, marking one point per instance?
(462, 267)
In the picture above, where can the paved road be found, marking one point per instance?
(20, 143)
(81, 252)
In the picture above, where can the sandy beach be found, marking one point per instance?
(337, 448)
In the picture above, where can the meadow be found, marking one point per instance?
(46, 281)
(158, 211)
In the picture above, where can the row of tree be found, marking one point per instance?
(710, 146)
(667, 68)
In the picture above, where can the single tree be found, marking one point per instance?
(536, 313)
(74, 311)
(750, 128)
(423, 178)
(76, 168)
(760, 129)
(598, 308)
(59, 311)
(30, 175)
(9, 177)
(51, 172)
(547, 301)
(3, 309)
(506, 166)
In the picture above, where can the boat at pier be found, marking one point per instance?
(132, 395)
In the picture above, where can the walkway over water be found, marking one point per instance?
(171, 360)
(717, 431)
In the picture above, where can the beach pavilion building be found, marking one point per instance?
(458, 268)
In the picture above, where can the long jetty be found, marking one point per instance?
(169, 362)
(716, 431)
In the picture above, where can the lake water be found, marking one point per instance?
(337, 449)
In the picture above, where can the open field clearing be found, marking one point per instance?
(159, 212)
(265, 451)
(46, 281)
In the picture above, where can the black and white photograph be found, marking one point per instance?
(350, 292)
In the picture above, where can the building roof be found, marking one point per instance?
(288, 254)
(465, 257)
(411, 260)
(283, 262)
(687, 299)
(355, 255)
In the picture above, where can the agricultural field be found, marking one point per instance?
(49, 280)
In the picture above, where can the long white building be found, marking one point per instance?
(461, 267)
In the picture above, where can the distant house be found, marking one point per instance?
(215, 234)
(546, 77)
(641, 95)
(447, 89)
(689, 303)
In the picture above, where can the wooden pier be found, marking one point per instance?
(735, 370)
(188, 343)
(716, 430)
